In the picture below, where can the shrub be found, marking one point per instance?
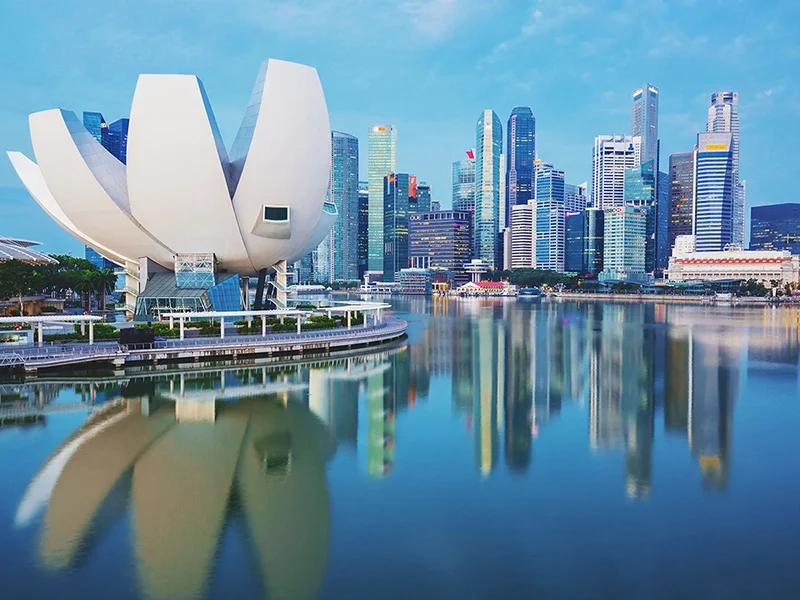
(49, 309)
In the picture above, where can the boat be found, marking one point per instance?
(530, 292)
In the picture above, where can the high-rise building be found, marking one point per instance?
(118, 139)
(99, 261)
(97, 126)
(612, 155)
(583, 245)
(713, 191)
(464, 183)
(363, 227)
(640, 191)
(520, 154)
(395, 223)
(436, 206)
(322, 260)
(523, 231)
(662, 222)
(644, 121)
(624, 232)
(381, 160)
(723, 117)
(441, 240)
(593, 240)
(489, 146)
(550, 210)
(575, 199)
(681, 195)
(423, 203)
(344, 194)
(573, 242)
(775, 227)
(503, 223)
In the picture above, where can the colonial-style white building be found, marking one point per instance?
(764, 265)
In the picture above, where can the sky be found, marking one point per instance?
(429, 67)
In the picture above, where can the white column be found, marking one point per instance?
(298, 322)
(221, 327)
(91, 332)
(349, 319)
(83, 328)
(172, 322)
(263, 325)
(365, 317)
(40, 333)
(329, 314)
(181, 324)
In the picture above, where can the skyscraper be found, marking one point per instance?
(681, 195)
(344, 194)
(423, 203)
(640, 191)
(550, 202)
(775, 227)
(363, 227)
(381, 160)
(395, 224)
(644, 121)
(573, 242)
(593, 240)
(723, 117)
(520, 154)
(118, 139)
(489, 146)
(441, 240)
(575, 199)
(714, 178)
(624, 244)
(96, 125)
(523, 232)
(464, 183)
(612, 155)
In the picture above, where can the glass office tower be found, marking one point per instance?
(395, 224)
(714, 191)
(489, 146)
(549, 221)
(681, 195)
(118, 139)
(775, 227)
(520, 154)
(96, 125)
(363, 227)
(644, 120)
(381, 160)
(344, 194)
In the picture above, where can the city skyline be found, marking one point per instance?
(573, 100)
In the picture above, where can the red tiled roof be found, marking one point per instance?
(491, 284)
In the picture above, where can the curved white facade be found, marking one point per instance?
(180, 193)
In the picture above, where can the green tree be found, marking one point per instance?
(18, 279)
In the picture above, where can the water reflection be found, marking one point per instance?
(187, 452)
(515, 366)
(183, 452)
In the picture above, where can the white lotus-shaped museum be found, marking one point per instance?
(181, 192)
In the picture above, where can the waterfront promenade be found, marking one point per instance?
(49, 356)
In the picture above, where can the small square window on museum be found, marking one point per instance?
(276, 213)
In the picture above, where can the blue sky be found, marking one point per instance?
(427, 66)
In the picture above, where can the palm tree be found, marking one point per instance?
(104, 282)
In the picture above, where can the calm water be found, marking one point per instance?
(506, 450)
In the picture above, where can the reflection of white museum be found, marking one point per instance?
(185, 217)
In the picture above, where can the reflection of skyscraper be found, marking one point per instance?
(676, 411)
(714, 385)
(518, 394)
(485, 373)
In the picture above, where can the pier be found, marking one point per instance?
(112, 354)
